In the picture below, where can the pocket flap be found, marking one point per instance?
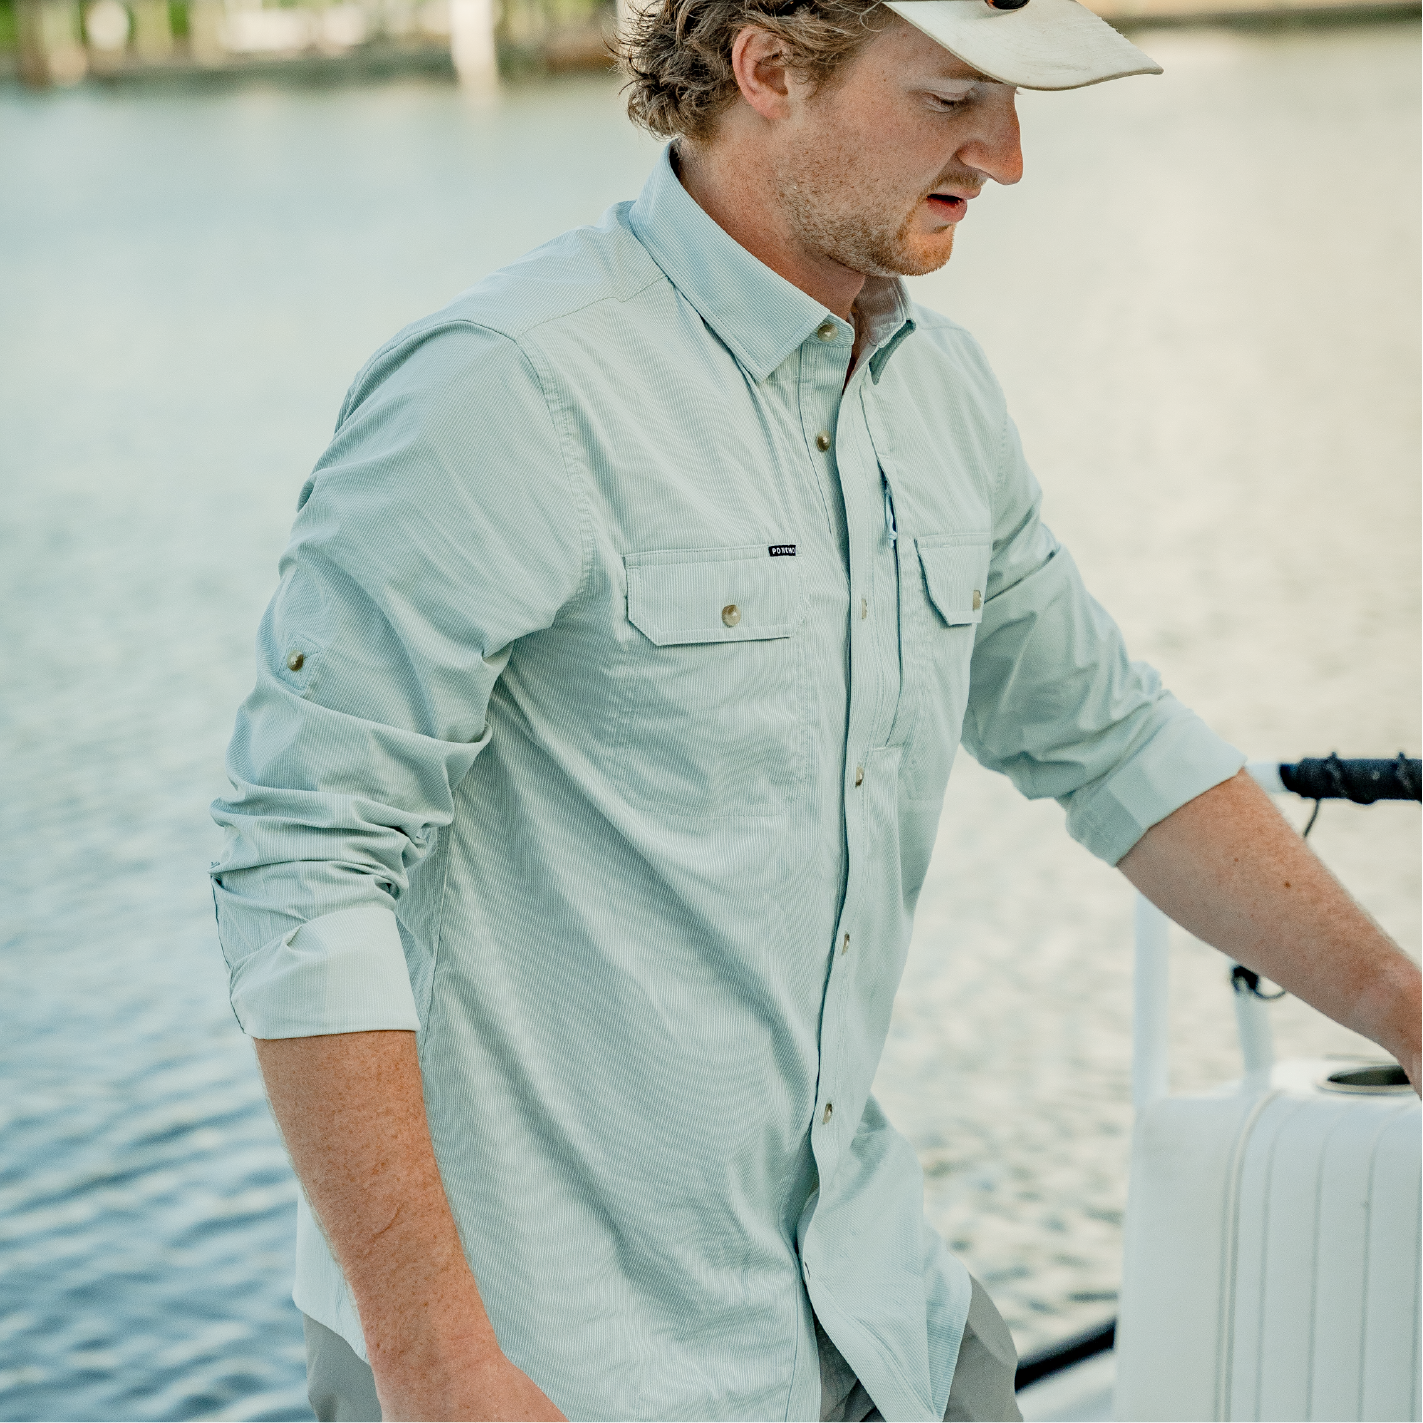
(714, 595)
(956, 574)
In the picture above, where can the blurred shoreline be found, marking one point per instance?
(61, 43)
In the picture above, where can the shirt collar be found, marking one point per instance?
(884, 306)
(759, 315)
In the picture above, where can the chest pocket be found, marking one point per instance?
(955, 571)
(714, 721)
(941, 610)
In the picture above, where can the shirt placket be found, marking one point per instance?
(838, 436)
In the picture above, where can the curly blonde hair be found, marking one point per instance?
(676, 54)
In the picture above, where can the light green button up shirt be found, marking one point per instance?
(602, 723)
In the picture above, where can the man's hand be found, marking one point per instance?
(352, 1110)
(1228, 867)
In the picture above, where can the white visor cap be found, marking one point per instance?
(1045, 44)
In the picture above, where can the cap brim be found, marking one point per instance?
(1048, 44)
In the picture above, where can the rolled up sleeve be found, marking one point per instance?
(1056, 704)
(342, 973)
(439, 527)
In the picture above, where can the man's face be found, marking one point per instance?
(877, 167)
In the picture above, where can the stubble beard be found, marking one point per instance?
(859, 239)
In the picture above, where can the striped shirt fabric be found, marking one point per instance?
(603, 719)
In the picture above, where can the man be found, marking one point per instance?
(603, 720)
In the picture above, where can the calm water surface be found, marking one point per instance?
(1203, 304)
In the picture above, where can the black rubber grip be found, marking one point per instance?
(1363, 782)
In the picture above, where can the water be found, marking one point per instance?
(1202, 303)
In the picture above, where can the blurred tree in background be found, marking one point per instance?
(61, 42)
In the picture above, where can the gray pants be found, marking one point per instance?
(342, 1388)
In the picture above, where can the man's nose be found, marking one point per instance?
(996, 149)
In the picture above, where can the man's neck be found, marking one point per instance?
(739, 194)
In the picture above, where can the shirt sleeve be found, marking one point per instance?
(439, 527)
(1056, 704)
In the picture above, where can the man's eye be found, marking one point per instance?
(937, 101)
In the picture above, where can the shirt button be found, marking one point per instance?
(864, 608)
(977, 600)
(296, 660)
(822, 440)
(845, 944)
(826, 329)
(731, 615)
(825, 1116)
(859, 775)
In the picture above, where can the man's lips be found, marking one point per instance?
(950, 206)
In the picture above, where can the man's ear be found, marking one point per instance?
(758, 61)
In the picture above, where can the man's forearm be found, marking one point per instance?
(1228, 867)
(352, 1111)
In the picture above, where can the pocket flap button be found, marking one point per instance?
(295, 660)
(731, 615)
